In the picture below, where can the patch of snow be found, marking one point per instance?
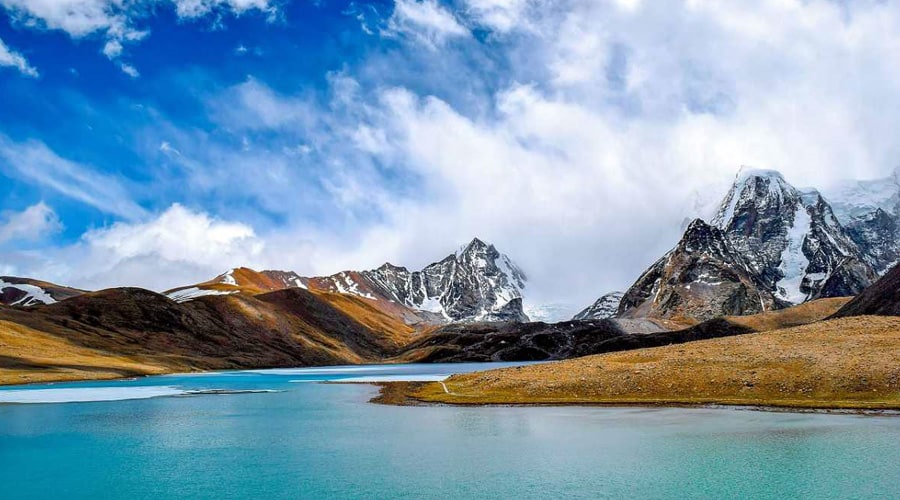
(188, 294)
(382, 378)
(432, 304)
(34, 294)
(228, 278)
(793, 261)
(299, 284)
(816, 276)
(347, 285)
(86, 394)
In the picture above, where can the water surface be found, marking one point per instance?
(313, 440)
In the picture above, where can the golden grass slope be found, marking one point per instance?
(801, 314)
(30, 356)
(842, 363)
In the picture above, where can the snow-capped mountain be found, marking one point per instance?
(604, 308)
(791, 239)
(28, 292)
(768, 246)
(701, 278)
(477, 283)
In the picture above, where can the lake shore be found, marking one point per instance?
(843, 364)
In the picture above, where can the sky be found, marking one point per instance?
(158, 143)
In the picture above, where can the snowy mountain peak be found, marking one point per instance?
(477, 283)
(754, 187)
(747, 172)
(474, 247)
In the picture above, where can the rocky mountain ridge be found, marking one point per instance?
(477, 283)
(769, 245)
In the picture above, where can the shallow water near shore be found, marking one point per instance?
(217, 436)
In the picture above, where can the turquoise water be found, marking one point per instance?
(325, 441)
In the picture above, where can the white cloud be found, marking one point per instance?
(112, 49)
(500, 15)
(117, 21)
(11, 58)
(198, 8)
(34, 223)
(425, 20)
(35, 163)
(177, 247)
(129, 70)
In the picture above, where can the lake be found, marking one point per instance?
(314, 440)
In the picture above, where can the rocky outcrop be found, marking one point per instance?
(701, 278)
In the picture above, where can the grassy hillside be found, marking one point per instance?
(841, 363)
(29, 356)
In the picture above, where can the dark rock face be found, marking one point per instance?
(541, 341)
(880, 299)
(701, 278)
(478, 283)
(605, 307)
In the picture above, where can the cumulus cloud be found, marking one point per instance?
(34, 223)
(35, 163)
(176, 247)
(13, 59)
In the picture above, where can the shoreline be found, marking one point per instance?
(405, 394)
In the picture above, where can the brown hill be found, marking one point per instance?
(291, 327)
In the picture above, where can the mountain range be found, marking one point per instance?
(768, 247)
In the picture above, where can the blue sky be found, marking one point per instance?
(159, 142)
